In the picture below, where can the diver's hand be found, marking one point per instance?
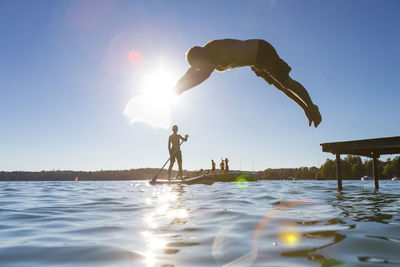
(177, 90)
(186, 136)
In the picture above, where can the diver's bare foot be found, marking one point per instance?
(316, 115)
(309, 117)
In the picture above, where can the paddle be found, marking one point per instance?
(173, 153)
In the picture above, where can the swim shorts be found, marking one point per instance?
(177, 156)
(268, 60)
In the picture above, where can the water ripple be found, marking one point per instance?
(129, 223)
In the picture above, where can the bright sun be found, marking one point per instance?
(159, 86)
(153, 105)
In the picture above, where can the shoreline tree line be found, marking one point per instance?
(353, 167)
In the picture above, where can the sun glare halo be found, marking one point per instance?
(159, 85)
(153, 106)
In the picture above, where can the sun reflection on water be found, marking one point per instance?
(150, 259)
(156, 243)
(167, 210)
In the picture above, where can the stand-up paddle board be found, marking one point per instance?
(202, 179)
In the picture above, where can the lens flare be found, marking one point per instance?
(135, 58)
(85, 15)
(241, 183)
(289, 234)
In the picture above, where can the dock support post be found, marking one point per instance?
(375, 171)
(339, 172)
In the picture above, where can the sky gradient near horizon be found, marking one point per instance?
(66, 75)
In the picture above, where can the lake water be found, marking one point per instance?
(265, 223)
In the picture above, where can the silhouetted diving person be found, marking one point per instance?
(174, 148)
(226, 54)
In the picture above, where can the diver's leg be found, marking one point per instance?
(267, 77)
(298, 100)
(299, 90)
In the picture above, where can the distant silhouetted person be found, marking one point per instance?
(226, 54)
(212, 166)
(174, 148)
(226, 165)
(221, 165)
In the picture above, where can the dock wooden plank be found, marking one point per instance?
(366, 147)
(372, 148)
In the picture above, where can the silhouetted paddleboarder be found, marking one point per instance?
(226, 165)
(226, 54)
(174, 147)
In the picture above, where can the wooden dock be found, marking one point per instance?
(372, 148)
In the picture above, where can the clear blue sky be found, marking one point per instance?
(65, 80)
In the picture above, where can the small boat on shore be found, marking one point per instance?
(235, 175)
(395, 178)
(366, 178)
(211, 178)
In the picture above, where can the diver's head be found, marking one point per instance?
(175, 128)
(197, 57)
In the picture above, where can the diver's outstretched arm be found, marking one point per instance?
(191, 78)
